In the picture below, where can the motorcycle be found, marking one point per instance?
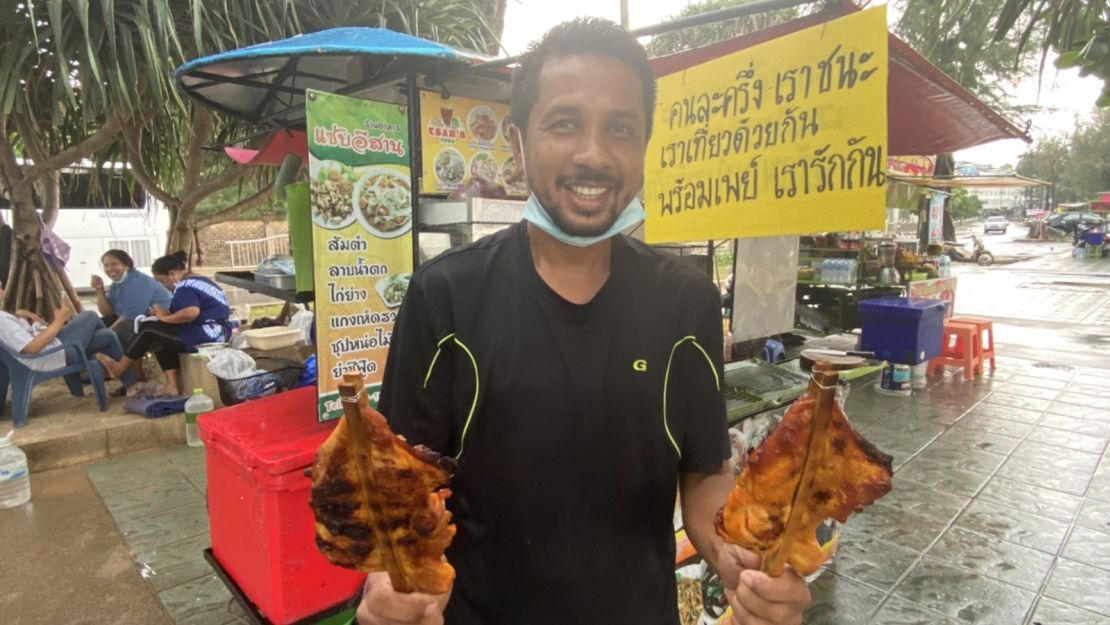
(977, 254)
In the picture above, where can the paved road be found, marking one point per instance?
(1047, 307)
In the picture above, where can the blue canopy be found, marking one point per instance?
(265, 83)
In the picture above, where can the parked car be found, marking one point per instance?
(1070, 222)
(995, 223)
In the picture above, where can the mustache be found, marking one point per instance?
(584, 176)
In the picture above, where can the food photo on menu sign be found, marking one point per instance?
(361, 198)
(466, 145)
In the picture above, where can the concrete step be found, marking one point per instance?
(64, 431)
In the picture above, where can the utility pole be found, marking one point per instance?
(624, 14)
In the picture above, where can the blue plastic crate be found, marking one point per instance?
(1094, 238)
(902, 330)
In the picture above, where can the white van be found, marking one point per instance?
(141, 232)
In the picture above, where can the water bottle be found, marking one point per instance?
(945, 269)
(15, 481)
(196, 405)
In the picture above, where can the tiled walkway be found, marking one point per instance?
(157, 499)
(1000, 513)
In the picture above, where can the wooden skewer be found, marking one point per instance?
(354, 403)
(823, 385)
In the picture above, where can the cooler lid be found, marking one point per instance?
(275, 434)
(901, 306)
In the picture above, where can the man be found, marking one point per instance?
(574, 374)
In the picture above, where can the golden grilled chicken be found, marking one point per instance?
(813, 466)
(379, 502)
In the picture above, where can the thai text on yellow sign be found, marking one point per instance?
(464, 139)
(787, 137)
(361, 199)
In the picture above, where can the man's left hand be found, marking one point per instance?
(763, 600)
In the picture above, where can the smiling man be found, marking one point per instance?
(575, 375)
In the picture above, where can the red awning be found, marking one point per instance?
(273, 150)
(928, 112)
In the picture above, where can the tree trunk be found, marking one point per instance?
(33, 284)
(181, 232)
(52, 197)
(946, 166)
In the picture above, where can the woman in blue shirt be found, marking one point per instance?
(131, 294)
(197, 314)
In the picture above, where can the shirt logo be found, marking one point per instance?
(639, 365)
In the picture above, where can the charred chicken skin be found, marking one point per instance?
(813, 466)
(380, 502)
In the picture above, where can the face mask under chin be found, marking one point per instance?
(536, 214)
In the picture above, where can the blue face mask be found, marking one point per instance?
(537, 215)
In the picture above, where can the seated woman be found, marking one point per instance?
(131, 294)
(197, 314)
(26, 333)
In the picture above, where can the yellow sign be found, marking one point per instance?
(360, 179)
(464, 139)
(787, 137)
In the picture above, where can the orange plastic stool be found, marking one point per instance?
(986, 336)
(959, 349)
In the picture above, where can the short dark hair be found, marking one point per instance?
(170, 262)
(119, 255)
(584, 35)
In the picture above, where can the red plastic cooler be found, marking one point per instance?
(263, 531)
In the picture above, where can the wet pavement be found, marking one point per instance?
(1000, 512)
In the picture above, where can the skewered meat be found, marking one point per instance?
(813, 466)
(379, 502)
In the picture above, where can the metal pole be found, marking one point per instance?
(624, 14)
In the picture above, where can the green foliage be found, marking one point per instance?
(1078, 165)
(1078, 30)
(242, 189)
(964, 206)
(66, 65)
(956, 36)
(700, 36)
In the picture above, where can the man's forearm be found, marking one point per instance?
(703, 494)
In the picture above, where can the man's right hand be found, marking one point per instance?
(381, 605)
(97, 283)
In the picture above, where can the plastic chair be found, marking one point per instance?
(23, 378)
(986, 337)
(773, 351)
(960, 349)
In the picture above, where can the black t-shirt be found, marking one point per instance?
(570, 423)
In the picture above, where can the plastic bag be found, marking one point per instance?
(303, 320)
(231, 364)
(276, 266)
(238, 341)
(309, 375)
